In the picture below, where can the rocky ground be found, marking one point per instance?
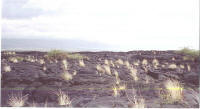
(38, 78)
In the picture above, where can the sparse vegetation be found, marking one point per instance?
(7, 68)
(186, 58)
(63, 99)
(76, 56)
(155, 63)
(127, 64)
(147, 79)
(122, 87)
(9, 53)
(13, 59)
(133, 73)
(172, 66)
(182, 66)
(100, 69)
(81, 63)
(44, 68)
(188, 67)
(41, 61)
(117, 88)
(136, 63)
(144, 62)
(75, 76)
(111, 63)
(115, 91)
(117, 81)
(17, 100)
(58, 54)
(120, 62)
(67, 76)
(163, 66)
(116, 74)
(136, 102)
(173, 92)
(64, 64)
(107, 69)
(30, 59)
(75, 72)
(106, 62)
(190, 52)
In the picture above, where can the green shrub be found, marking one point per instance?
(19, 58)
(58, 54)
(190, 52)
(76, 56)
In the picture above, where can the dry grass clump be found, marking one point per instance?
(122, 87)
(7, 68)
(174, 91)
(155, 63)
(111, 63)
(186, 58)
(30, 59)
(81, 63)
(106, 62)
(127, 64)
(144, 62)
(182, 66)
(13, 59)
(63, 99)
(117, 88)
(136, 102)
(104, 69)
(107, 69)
(172, 66)
(9, 53)
(44, 68)
(41, 61)
(116, 74)
(117, 81)
(67, 76)
(119, 62)
(100, 69)
(136, 63)
(64, 64)
(74, 73)
(115, 91)
(133, 73)
(189, 68)
(17, 100)
(163, 66)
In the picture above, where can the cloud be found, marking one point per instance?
(127, 23)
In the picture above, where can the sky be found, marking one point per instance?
(143, 24)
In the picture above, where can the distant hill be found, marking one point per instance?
(49, 44)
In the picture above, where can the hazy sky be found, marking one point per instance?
(144, 24)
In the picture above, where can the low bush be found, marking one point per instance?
(189, 52)
(59, 54)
